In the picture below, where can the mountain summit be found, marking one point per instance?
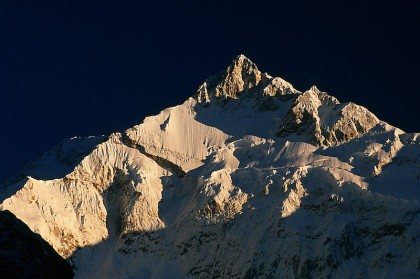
(241, 77)
(249, 178)
(314, 112)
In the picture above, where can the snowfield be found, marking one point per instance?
(249, 178)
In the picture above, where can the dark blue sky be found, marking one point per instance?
(78, 68)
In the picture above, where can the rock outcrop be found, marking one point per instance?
(242, 77)
(321, 119)
(250, 178)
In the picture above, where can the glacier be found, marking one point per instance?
(248, 178)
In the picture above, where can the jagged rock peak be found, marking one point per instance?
(324, 97)
(322, 120)
(209, 191)
(243, 60)
(242, 76)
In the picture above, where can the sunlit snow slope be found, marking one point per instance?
(249, 178)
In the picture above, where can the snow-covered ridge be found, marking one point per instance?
(324, 121)
(315, 114)
(248, 178)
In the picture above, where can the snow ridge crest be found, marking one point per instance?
(270, 184)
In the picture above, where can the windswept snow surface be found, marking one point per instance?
(249, 178)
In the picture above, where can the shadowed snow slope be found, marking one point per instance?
(249, 178)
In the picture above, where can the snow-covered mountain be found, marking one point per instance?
(249, 178)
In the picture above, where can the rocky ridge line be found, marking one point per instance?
(316, 115)
(251, 203)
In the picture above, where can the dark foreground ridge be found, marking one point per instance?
(24, 254)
